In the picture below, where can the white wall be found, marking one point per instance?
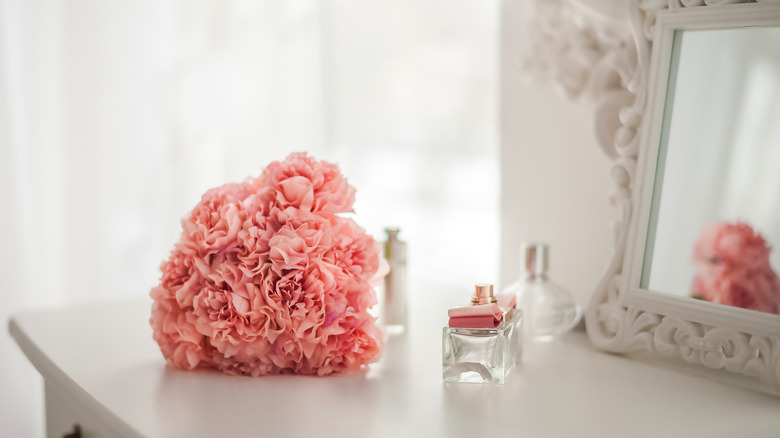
(555, 179)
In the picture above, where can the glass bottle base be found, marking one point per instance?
(481, 355)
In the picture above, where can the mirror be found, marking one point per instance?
(715, 213)
(697, 179)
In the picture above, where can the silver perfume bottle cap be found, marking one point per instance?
(535, 258)
(483, 294)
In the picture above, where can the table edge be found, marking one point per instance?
(56, 377)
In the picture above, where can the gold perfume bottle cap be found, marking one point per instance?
(483, 294)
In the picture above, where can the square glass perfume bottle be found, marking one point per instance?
(475, 354)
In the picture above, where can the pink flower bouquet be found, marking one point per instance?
(267, 278)
(732, 268)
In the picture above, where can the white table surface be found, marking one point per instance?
(104, 356)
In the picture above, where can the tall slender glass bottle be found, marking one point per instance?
(393, 306)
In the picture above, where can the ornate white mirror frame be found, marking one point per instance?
(622, 317)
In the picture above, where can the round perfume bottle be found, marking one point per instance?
(549, 309)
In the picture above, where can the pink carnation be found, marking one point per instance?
(302, 182)
(267, 279)
(732, 268)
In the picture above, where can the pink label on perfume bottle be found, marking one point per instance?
(487, 321)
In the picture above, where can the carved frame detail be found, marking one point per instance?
(697, 332)
(589, 57)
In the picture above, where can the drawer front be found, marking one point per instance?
(64, 413)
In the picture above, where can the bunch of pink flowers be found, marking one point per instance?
(267, 278)
(732, 268)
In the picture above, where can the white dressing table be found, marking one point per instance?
(103, 371)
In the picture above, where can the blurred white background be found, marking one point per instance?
(116, 116)
(555, 181)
